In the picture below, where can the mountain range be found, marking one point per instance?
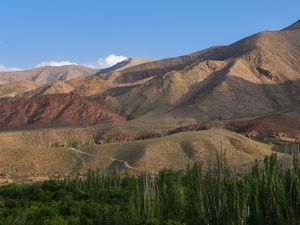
(250, 88)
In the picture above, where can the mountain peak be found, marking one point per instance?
(127, 63)
(294, 26)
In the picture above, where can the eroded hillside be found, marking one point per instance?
(250, 87)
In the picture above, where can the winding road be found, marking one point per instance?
(126, 164)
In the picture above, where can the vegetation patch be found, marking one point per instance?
(266, 73)
(269, 195)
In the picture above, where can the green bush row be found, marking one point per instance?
(268, 195)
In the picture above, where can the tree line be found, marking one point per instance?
(269, 194)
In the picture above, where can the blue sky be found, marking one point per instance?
(83, 31)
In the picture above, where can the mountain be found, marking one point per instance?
(254, 76)
(56, 87)
(130, 62)
(50, 74)
(250, 87)
(55, 110)
(16, 89)
(294, 26)
(47, 74)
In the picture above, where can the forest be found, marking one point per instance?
(269, 194)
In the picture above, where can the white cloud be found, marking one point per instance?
(101, 63)
(109, 61)
(2, 68)
(5, 69)
(55, 63)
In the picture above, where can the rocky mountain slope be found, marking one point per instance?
(16, 89)
(50, 74)
(251, 87)
(257, 75)
(57, 87)
(55, 110)
(47, 74)
(130, 62)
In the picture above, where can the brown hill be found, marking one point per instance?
(257, 75)
(16, 89)
(253, 85)
(294, 26)
(130, 62)
(47, 74)
(252, 77)
(37, 161)
(56, 87)
(62, 79)
(273, 128)
(55, 110)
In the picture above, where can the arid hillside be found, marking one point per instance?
(165, 109)
(47, 74)
(57, 87)
(130, 62)
(257, 75)
(17, 89)
(175, 152)
(55, 110)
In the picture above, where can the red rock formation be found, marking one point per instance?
(55, 111)
(277, 126)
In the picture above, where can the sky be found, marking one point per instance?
(98, 33)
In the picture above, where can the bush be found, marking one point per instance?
(54, 145)
(72, 143)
